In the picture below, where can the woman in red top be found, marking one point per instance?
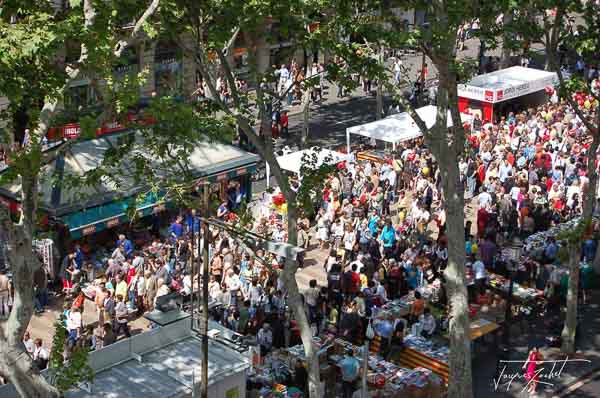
(510, 158)
(482, 219)
(284, 120)
(547, 161)
(130, 274)
(533, 359)
(481, 174)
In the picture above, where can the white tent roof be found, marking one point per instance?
(400, 127)
(293, 161)
(506, 84)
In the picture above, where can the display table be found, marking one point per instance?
(412, 359)
(400, 308)
(482, 327)
(502, 284)
(384, 379)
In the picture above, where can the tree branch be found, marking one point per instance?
(123, 44)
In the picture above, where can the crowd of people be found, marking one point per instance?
(381, 223)
(383, 226)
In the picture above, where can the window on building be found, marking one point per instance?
(128, 63)
(79, 98)
(168, 68)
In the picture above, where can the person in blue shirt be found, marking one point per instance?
(529, 152)
(521, 161)
(511, 118)
(388, 237)
(176, 229)
(589, 250)
(78, 257)
(373, 223)
(384, 328)
(551, 250)
(411, 273)
(222, 210)
(350, 369)
(127, 245)
(192, 222)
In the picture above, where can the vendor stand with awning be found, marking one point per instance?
(398, 128)
(293, 162)
(491, 93)
(93, 209)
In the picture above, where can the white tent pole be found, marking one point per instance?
(268, 174)
(348, 141)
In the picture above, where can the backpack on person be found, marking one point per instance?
(396, 272)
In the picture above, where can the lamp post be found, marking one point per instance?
(249, 240)
(204, 318)
(513, 252)
(365, 369)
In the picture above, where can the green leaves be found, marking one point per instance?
(67, 374)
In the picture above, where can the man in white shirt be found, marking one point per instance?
(40, 355)
(284, 75)
(485, 198)
(480, 276)
(397, 70)
(514, 193)
(278, 234)
(74, 324)
(28, 343)
(265, 339)
(254, 294)
(504, 171)
(233, 283)
(381, 292)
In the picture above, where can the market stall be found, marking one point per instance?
(384, 379)
(313, 158)
(89, 210)
(494, 93)
(397, 128)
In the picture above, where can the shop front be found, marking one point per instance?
(87, 211)
(497, 93)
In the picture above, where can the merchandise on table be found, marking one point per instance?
(384, 378)
(427, 347)
(524, 293)
(399, 308)
(534, 243)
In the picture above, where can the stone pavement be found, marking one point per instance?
(42, 325)
(522, 337)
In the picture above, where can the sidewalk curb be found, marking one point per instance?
(586, 378)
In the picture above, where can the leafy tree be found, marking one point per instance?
(67, 374)
(437, 39)
(35, 77)
(531, 22)
(584, 40)
(212, 27)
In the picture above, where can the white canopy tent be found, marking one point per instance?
(506, 84)
(398, 128)
(293, 161)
